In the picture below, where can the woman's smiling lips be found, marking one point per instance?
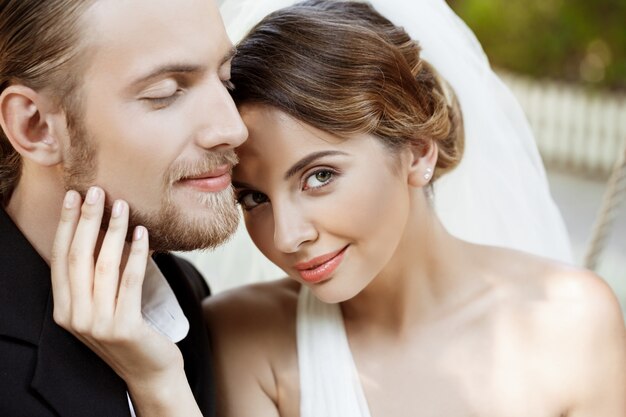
(320, 268)
(213, 181)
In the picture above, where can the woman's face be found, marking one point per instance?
(330, 212)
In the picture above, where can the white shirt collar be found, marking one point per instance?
(160, 307)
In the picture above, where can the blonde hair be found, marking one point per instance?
(342, 67)
(39, 40)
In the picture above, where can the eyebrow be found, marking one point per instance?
(301, 164)
(168, 69)
(177, 68)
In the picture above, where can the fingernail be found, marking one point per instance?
(92, 195)
(138, 234)
(70, 200)
(118, 206)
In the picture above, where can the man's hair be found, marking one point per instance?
(39, 40)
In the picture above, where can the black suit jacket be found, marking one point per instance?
(45, 371)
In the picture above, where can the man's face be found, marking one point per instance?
(156, 125)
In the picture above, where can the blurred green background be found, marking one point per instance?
(582, 41)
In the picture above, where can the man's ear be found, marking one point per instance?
(27, 118)
(422, 167)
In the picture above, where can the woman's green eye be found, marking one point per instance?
(319, 179)
(323, 176)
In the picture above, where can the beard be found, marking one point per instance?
(169, 227)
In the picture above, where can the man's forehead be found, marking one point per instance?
(153, 33)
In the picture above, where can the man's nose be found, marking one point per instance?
(292, 228)
(223, 126)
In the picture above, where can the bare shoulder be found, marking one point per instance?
(582, 289)
(585, 308)
(543, 288)
(253, 338)
(258, 310)
(569, 321)
(569, 291)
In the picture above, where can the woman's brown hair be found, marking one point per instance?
(343, 68)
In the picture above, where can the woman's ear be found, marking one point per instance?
(424, 160)
(26, 117)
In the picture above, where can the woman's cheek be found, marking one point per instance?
(261, 231)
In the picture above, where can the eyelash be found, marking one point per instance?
(241, 195)
(229, 85)
(332, 173)
(159, 103)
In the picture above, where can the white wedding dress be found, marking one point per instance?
(329, 381)
(498, 195)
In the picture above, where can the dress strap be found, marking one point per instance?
(329, 381)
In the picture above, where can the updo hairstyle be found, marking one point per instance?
(345, 69)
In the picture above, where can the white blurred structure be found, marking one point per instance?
(580, 136)
(576, 130)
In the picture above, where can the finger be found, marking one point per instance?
(129, 295)
(107, 271)
(81, 258)
(59, 269)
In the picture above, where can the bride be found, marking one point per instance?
(384, 313)
(500, 184)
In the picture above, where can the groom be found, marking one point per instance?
(130, 96)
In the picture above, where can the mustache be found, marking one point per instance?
(211, 161)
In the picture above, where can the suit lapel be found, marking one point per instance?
(68, 376)
(72, 379)
(190, 288)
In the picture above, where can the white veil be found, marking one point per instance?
(499, 194)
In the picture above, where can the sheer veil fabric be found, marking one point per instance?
(499, 194)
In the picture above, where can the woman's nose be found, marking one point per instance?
(292, 228)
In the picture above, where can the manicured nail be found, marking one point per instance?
(92, 195)
(138, 234)
(70, 200)
(118, 207)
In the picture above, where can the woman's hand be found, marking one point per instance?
(98, 300)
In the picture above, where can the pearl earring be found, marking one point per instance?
(428, 174)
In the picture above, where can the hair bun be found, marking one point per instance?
(445, 125)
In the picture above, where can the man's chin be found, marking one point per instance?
(186, 231)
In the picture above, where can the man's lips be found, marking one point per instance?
(211, 181)
(322, 267)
